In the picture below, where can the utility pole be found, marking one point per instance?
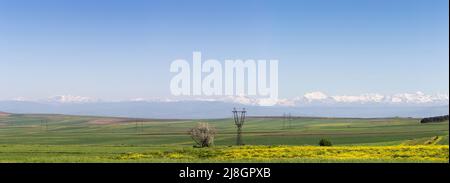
(290, 120)
(136, 128)
(139, 126)
(239, 119)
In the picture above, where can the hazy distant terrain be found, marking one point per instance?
(206, 109)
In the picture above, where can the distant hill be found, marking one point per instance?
(4, 113)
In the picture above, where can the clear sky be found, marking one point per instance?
(117, 50)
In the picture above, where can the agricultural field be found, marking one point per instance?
(62, 138)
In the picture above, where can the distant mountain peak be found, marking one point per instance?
(71, 99)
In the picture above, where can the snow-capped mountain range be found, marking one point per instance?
(415, 104)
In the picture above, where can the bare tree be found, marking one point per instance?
(203, 134)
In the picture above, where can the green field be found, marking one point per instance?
(60, 138)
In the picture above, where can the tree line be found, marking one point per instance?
(434, 119)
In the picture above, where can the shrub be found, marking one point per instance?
(325, 142)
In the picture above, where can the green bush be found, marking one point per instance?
(325, 142)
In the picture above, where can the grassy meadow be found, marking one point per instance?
(62, 138)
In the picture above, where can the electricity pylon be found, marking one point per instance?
(239, 119)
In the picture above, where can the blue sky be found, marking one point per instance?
(116, 50)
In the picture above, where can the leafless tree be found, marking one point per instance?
(203, 134)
